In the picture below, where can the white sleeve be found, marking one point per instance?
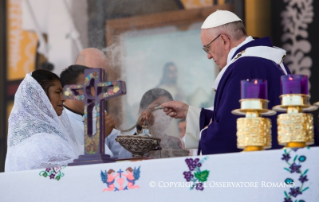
(111, 145)
(192, 135)
(42, 150)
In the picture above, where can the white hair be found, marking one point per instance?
(234, 30)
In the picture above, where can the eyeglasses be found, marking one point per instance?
(206, 47)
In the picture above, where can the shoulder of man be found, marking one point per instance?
(253, 63)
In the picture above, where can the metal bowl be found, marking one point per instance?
(138, 145)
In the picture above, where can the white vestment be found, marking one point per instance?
(37, 136)
(112, 147)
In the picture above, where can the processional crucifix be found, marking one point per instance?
(94, 147)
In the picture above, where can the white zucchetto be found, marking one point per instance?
(218, 18)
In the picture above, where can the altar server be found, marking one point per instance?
(239, 57)
(74, 74)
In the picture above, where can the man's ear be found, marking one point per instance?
(226, 41)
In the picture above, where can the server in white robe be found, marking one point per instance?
(74, 74)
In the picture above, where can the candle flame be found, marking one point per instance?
(255, 82)
(290, 78)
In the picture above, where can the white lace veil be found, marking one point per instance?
(37, 136)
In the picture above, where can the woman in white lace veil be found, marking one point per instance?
(40, 134)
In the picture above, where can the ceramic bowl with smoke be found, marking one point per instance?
(139, 144)
(152, 141)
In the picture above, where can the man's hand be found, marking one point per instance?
(175, 109)
(109, 124)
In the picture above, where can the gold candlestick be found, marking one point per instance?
(295, 129)
(253, 131)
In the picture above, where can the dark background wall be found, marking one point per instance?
(3, 113)
(313, 32)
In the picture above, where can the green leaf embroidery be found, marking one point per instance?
(295, 158)
(287, 169)
(305, 189)
(202, 176)
(305, 172)
(204, 159)
(286, 194)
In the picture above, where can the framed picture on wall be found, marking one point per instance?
(161, 50)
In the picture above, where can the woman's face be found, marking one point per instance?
(55, 94)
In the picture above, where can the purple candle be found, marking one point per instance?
(254, 89)
(294, 84)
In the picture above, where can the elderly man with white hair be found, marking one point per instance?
(239, 57)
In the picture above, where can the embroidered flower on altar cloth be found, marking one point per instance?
(287, 200)
(188, 175)
(52, 176)
(285, 157)
(195, 175)
(199, 186)
(295, 149)
(295, 191)
(303, 179)
(53, 173)
(295, 167)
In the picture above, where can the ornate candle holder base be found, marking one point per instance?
(138, 145)
(296, 144)
(295, 130)
(253, 148)
(253, 131)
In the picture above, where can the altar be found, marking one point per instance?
(256, 174)
(276, 175)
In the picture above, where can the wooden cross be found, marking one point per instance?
(94, 148)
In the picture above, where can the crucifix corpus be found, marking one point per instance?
(95, 93)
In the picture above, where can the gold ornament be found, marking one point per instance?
(253, 133)
(295, 129)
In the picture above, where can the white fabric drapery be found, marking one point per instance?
(37, 136)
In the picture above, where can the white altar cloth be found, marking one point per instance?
(241, 177)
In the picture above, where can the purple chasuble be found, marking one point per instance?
(220, 136)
